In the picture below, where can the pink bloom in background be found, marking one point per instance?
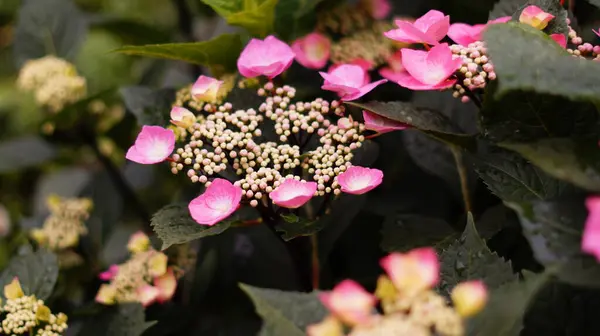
(109, 274)
(428, 70)
(182, 117)
(269, 57)
(597, 32)
(153, 145)
(312, 50)
(465, 34)
(358, 180)
(220, 200)
(560, 39)
(147, 294)
(349, 302)
(292, 193)
(349, 81)
(379, 9)
(379, 124)
(535, 17)
(206, 88)
(469, 298)
(394, 67)
(414, 271)
(591, 234)
(166, 285)
(429, 28)
(363, 63)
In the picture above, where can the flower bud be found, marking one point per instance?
(138, 242)
(349, 302)
(535, 17)
(412, 272)
(469, 298)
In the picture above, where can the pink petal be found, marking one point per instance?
(379, 124)
(293, 194)
(412, 272)
(312, 51)
(469, 298)
(268, 57)
(347, 80)
(560, 39)
(110, 273)
(404, 79)
(591, 233)
(206, 88)
(502, 19)
(166, 285)
(430, 67)
(218, 202)
(358, 180)
(535, 17)
(438, 30)
(465, 34)
(147, 294)
(153, 145)
(428, 19)
(363, 90)
(597, 32)
(349, 302)
(407, 33)
(379, 8)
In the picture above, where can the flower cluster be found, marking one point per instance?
(26, 315)
(406, 296)
(145, 278)
(54, 82)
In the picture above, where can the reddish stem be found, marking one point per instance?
(427, 46)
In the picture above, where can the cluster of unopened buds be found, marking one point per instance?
(145, 278)
(26, 315)
(407, 299)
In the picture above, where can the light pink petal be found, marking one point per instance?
(358, 180)
(147, 294)
(268, 57)
(469, 298)
(206, 88)
(535, 17)
(502, 19)
(293, 194)
(312, 51)
(404, 79)
(109, 274)
(412, 272)
(380, 9)
(153, 145)
(441, 64)
(591, 234)
(218, 202)
(465, 34)
(560, 39)
(349, 302)
(428, 19)
(407, 33)
(438, 30)
(379, 124)
(363, 90)
(352, 75)
(166, 285)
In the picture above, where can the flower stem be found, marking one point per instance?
(462, 174)
(315, 261)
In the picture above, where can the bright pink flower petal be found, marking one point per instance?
(292, 193)
(166, 285)
(535, 17)
(349, 302)
(363, 90)
(312, 51)
(502, 19)
(379, 9)
(591, 234)
(431, 67)
(110, 273)
(438, 30)
(428, 19)
(404, 79)
(412, 272)
(348, 81)
(358, 180)
(465, 34)
(268, 57)
(206, 88)
(407, 33)
(218, 202)
(379, 124)
(153, 145)
(560, 39)
(147, 294)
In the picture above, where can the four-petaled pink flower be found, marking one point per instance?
(292, 193)
(312, 51)
(412, 272)
(206, 89)
(153, 145)
(591, 233)
(560, 39)
(269, 57)
(379, 124)
(428, 29)
(428, 70)
(349, 302)
(394, 67)
(182, 117)
(358, 180)
(349, 81)
(535, 17)
(220, 200)
(110, 273)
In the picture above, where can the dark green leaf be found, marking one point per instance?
(512, 178)
(220, 53)
(594, 2)
(290, 218)
(285, 313)
(404, 232)
(48, 27)
(256, 16)
(294, 18)
(124, 320)
(430, 122)
(150, 106)
(576, 161)
(130, 31)
(470, 258)
(25, 152)
(515, 7)
(293, 227)
(583, 271)
(174, 225)
(37, 273)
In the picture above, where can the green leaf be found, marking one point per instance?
(469, 258)
(37, 273)
(24, 152)
(130, 31)
(47, 27)
(581, 271)
(575, 161)
(553, 228)
(514, 179)
(594, 2)
(430, 122)
(173, 224)
(256, 16)
(126, 319)
(404, 232)
(150, 106)
(294, 226)
(285, 313)
(219, 53)
(515, 7)
(294, 18)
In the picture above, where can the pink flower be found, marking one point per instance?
(428, 70)
(109, 274)
(560, 39)
(503, 19)
(429, 29)
(153, 145)
(379, 9)
(591, 233)
(219, 201)
(394, 67)
(358, 180)
(166, 285)
(349, 81)
(465, 34)
(312, 50)
(379, 124)
(292, 193)
(206, 89)
(361, 62)
(349, 302)
(535, 17)
(469, 298)
(147, 294)
(138, 242)
(414, 271)
(182, 117)
(269, 57)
